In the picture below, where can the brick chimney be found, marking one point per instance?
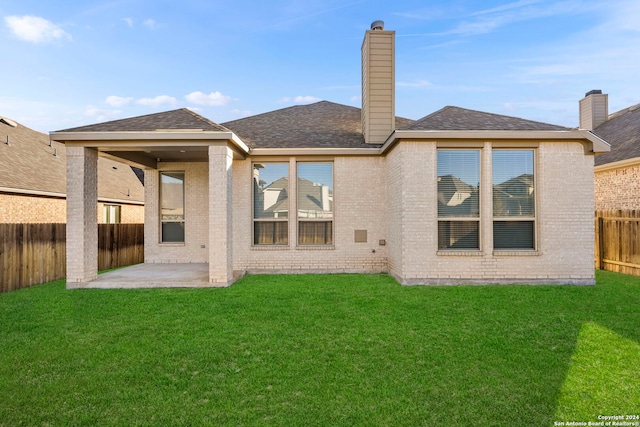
(378, 84)
(594, 109)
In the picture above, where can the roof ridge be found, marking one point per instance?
(625, 110)
(201, 117)
(282, 109)
(508, 116)
(453, 117)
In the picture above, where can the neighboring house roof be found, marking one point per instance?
(309, 196)
(317, 125)
(181, 119)
(32, 164)
(622, 131)
(456, 118)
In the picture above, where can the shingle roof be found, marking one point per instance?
(622, 131)
(28, 163)
(456, 118)
(182, 118)
(317, 125)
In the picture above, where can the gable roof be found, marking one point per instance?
(622, 131)
(180, 119)
(456, 118)
(31, 163)
(322, 124)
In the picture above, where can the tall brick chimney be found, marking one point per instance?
(378, 84)
(594, 109)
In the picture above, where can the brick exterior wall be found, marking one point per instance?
(129, 214)
(23, 209)
(20, 209)
(618, 188)
(564, 222)
(359, 195)
(195, 248)
(393, 198)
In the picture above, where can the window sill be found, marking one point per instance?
(516, 252)
(460, 253)
(315, 247)
(169, 244)
(270, 248)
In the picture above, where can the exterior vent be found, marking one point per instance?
(9, 122)
(377, 25)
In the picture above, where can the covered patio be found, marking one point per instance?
(174, 140)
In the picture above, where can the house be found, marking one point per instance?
(617, 173)
(33, 181)
(459, 196)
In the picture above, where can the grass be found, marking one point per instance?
(321, 350)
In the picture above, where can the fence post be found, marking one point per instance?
(600, 243)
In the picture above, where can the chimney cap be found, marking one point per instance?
(377, 25)
(593, 92)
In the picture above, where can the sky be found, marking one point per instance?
(70, 63)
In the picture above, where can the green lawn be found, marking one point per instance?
(337, 350)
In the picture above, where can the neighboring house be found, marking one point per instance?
(33, 181)
(460, 196)
(617, 173)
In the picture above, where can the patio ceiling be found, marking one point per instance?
(146, 149)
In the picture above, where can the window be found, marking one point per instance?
(111, 214)
(270, 203)
(458, 199)
(513, 199)
(315, 203)
(172, 207)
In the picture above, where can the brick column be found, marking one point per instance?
(82, 214)
(220, 215)
(486, 200)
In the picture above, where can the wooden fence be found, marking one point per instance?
(618, 241)
(120, 245)
(31, 254)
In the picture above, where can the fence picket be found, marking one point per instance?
(31, 254)
(617, 241)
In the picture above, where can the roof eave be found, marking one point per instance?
(620, 164)
(299, 151)
(94, 139)
(597, 145)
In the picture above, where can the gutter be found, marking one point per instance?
(157, 138)
(635, 161)
(22, 191)
(598, 145)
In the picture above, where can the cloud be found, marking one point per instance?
(157, 101)
(213, 99)
(508, 6)
(35, 29)
(150, 23)
(418, 84)
(117, 101)
(241, 113)
(488, 20)
(299, 100)
(129, 22)
(101, 115)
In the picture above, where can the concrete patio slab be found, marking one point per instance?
(153, 276)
